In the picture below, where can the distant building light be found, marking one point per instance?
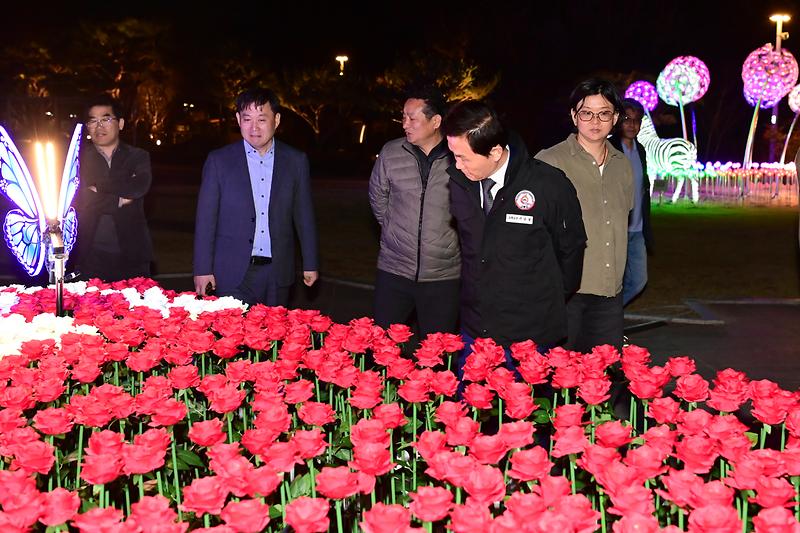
(361, 135)
(73, 115)
(49, 113)
(158, 142)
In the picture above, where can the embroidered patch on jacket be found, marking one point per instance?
(525, 200)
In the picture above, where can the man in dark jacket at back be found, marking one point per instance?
(640, 236)
(419, 259)
(113, 239)
(521, 232)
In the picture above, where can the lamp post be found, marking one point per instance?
(342, 60)
(780, 35)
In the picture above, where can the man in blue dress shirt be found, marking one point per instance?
(255, 194)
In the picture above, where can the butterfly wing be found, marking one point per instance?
(24, 237)
(69, 228)
(16, 182)
(71, 176)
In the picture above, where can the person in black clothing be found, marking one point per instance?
(521, 233)
(113, 240)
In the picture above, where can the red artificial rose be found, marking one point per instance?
(694, 422)
(470, 518)
(448, 413)
(714, 492)
(262, 481)
(680, 366)
(12, 419)
(207, 432)
(99, 469)
(414, 391)
(169, 413)
(204, 495)
(257, 440)
(462, 431)
(534, 368)
(282, 456)
(517, 434)
(458, 467)
(232, 471)
(531, 464)
(775, 520)
(298, 391)
(444, 383)
(636, 523)
(60, 505)
(731, 390)
(772, 409)
(369, 430)
(316, 413)
(337, 482)
(383, 518)
(568, 415)
(371, 458)
(594, 391)
(153, 513)
(53, 421)
(488, 449)
(647, 461)
(23, 509)
(613, 434)
(567, 377)
(716, 519)
(773, 492)
(569, 440)
(274, 417)
(49, 389)
(478, 396)
(98, 520)
(14, 482)
(239, 371)
(661, 437)
(309, 443)
(431, 504)
(87, 411)
(19, 397)
(184, 377)
(485, 485)
(519, 403)
(430, 443)
(390, 414)
(697, 453)
(308, 515)
(399, 333)
(33, 457)
(246, 516)
(140, 459)
(631, 499)
(691, 388)
(226, 399)
(664, 410)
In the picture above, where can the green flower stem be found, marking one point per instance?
(593, 415)
(745, 511)
(572, 471)
(126, 490)
(394, 497)
(428, 526)
(79, 458)
(229, 419)
(175, 480)
(412, 451)
(313, 473)
(139, 480)
(763, 437)
(783, 436)
(603, 525)
(339, 528)
(645, 405)
(796, 483)
(99, 490)
(499, 412)
(681, 518)
(160, 482)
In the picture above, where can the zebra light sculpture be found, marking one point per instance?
(669, 157)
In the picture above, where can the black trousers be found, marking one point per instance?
(594, 320)
(111, 267)
(436, 303)
(259, 287)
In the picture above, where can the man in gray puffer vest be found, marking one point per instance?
(419, 263)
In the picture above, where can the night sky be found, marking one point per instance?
(541, 51)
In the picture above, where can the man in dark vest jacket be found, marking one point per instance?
(521, 233)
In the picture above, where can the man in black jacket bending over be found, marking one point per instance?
(521, 232)
(113, 239)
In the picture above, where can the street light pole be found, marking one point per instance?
(342, 60)
(780, 35)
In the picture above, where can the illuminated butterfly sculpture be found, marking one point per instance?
(42, 217)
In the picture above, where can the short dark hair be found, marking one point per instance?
(435, 102)
(258, 97)
(105, 101)
(595, 86)
(630, 103)
(479, 122)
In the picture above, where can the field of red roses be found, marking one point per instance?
(149, 411)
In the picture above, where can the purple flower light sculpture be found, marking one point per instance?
(643, 92)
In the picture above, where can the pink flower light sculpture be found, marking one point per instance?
(685, 79)
(768, 75)
(643, 92)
